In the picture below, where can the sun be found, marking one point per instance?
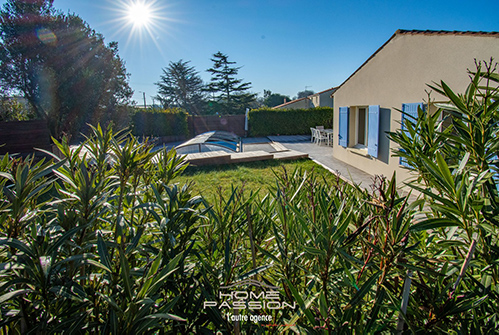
(139, 14)
(142, 22)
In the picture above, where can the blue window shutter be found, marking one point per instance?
(373, 131)
(411, 110)
(343, 126)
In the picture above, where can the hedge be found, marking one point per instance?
(266, 121)
(160, 122)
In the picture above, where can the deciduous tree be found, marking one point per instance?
(61, 66)
(274, 99)
(303, 94)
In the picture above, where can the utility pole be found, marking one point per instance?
(145, 105)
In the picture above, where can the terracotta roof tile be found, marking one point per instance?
(447, 32)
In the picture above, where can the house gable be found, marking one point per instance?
(396, 74)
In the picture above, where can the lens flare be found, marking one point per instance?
(46, 36)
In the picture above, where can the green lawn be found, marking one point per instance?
(254, 175)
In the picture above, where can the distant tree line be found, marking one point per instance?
(180, 85)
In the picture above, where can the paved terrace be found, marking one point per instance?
(323, 155)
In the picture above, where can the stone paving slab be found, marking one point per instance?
(323, 155)
(278, 147)
(258, 146)
(289, 138)
(289, 155)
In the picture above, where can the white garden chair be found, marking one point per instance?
(320, 136)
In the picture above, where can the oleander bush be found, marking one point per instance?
(267, 121)
(104, 241)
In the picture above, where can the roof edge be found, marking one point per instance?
(447, 32)
(419, 32)
(321, 92)
(290, 102)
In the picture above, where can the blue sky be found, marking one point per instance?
(282, 45)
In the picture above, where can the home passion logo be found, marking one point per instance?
(262, 296)
(257, 296)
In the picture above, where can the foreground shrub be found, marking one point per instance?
(102, 241)
(91, 243)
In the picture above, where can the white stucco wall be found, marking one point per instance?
(398, 74)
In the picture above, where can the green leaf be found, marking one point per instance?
(98, 265)
(359, 295)
(304, 306)
(13, 243)
(444, 169)
(255, 271)
(373, 317)
(434, 223)
(125, 275)
(7, 296)
(453, 97)
(150, 277)
(166, 316)
(314, 251)
(7, 176)
(102, 251)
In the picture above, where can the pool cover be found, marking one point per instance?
(211, 141)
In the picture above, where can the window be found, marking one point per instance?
(361, 128)
(343, 125)
(410, 112)
(365, 121)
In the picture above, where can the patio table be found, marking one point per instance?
(329, 134)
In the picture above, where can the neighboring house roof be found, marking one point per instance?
(333, 89)
(290, 102)
(494, 34)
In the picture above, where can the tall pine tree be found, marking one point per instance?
(228, 92)
(181, 86)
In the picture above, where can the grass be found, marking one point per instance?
(254, 176)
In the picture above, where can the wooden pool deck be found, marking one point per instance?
(221, 157)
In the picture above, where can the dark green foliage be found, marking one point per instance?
(456, 170)
(266, 121)
(79, 251)
(156, 122)
(181, 86)
(13, 109)
(229, 93)
(102, 241)
(61, 66)
(303, 94)
(274, 99)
